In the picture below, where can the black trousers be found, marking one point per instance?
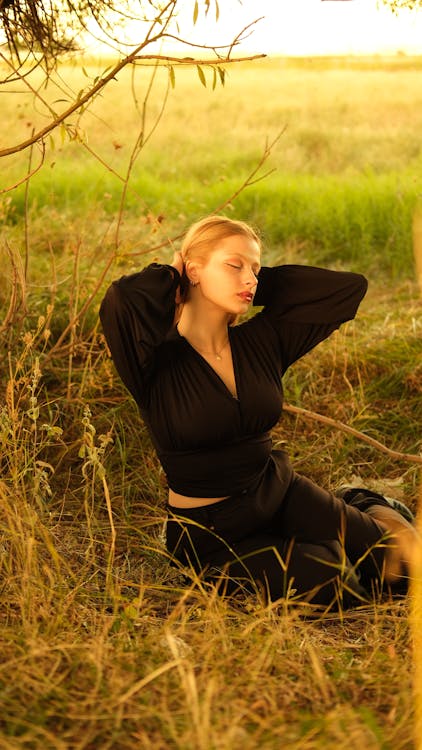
(304, 544)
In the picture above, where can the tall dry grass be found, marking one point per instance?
(417, 242)
(103, 643)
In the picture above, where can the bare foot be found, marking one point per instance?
(402, 542)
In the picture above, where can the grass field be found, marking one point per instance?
(347, 165)
(103, 644)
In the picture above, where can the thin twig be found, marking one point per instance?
(112, 550)
(140, 142)
(18, 282)
(101, 161)
(251, 179)
(13, 294)
(91, 93)
(83, 309)
(198, 61)
(26, 215)
(29, 174)
(410, 457)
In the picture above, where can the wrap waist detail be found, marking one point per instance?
(217, 471)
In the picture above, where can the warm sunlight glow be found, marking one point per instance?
(289, 27)
(321, 27)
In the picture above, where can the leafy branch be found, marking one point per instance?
(158, 31)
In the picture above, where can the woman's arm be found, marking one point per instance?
(309, 294)
(305, 304)
(137, 313)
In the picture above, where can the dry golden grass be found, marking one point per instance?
(417, 242)
(416, 630)
(103, 644)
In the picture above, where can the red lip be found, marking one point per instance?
(246, 296)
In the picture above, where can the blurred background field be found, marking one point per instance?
(347, 166)
(103, 644)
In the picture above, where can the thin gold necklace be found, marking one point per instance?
(217, 355)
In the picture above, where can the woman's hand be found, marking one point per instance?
(177, 262)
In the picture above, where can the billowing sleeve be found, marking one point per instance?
(136, 314)
(305, 304)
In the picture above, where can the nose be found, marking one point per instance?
(250, 278)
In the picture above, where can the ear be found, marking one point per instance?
(192, 268)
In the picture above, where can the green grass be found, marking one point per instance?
(347, 166)
(362, 220)
(103, 643)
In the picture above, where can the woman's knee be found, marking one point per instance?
(323, 574)
(317, 573)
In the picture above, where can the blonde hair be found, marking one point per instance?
(202, 237)
(200, 241)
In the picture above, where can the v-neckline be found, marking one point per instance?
(213, 370)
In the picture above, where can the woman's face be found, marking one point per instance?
(228, 278)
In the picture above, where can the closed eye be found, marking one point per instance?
(232, 265)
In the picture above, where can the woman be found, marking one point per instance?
(210, 392)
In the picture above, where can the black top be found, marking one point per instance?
(211, 444)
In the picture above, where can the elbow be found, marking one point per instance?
(108, 306)
(361, 286)
(363, 283)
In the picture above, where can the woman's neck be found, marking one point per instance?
(204, 330)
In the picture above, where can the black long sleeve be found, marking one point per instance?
(305, 304)
(209, 443)
(136, 314)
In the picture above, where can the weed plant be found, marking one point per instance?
(105, 644)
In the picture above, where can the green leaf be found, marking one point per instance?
(34, 413)
(131, 612)
(222, 74)
(172, 76)
(217, 11)
(201, 75)
(214, 78)
(195, 12)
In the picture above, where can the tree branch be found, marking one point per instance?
(92, 92)
(251, 179)
(30, 174)
(58, 346)
(200, 61)
(80, 102)
(409, 457)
